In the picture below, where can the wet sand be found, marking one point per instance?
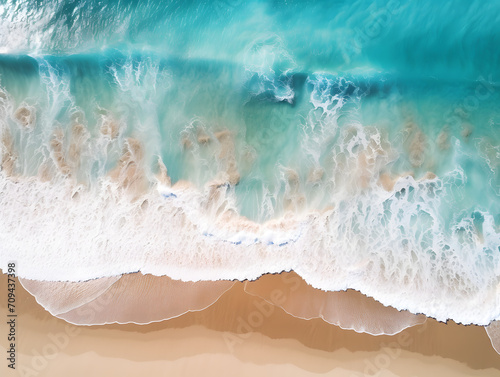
(239, 336)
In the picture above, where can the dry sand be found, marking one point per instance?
(238, 336)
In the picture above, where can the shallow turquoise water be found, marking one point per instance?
(160, 98)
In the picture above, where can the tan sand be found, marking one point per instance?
(493, 331)
(238, 337)
(109, 127)
(79, 136)
(25, 116)
(9, 156)
(347, 309)
(61, 297)
(227, 156)
(142, 299)
(129, 172)
(58, 154)
(162, 175)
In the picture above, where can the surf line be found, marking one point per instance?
(255, 240)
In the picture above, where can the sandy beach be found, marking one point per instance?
(228, 339)
(250, 188)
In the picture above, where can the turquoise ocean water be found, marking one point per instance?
(326, 102)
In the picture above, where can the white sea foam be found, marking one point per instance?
(261, 58)
(392, 244)
(369, 245)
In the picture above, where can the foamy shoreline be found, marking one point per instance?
(198, 236)
(211, 342)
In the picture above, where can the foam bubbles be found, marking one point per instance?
(93, 198)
